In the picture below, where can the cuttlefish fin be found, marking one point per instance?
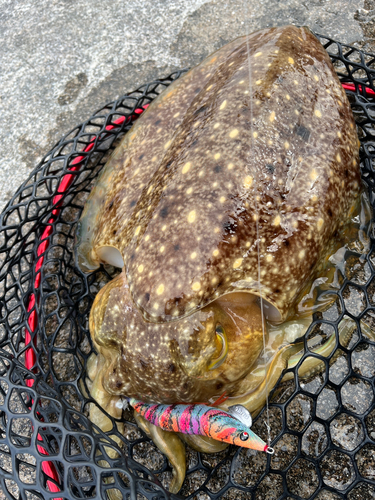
(171, 446)
(88, 224)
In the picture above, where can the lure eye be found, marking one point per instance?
(244, 436)
(222, 340)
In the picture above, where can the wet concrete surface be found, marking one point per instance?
(63, 59)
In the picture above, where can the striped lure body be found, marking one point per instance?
(200, 419)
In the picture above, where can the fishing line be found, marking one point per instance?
(247, 31)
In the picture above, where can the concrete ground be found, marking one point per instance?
(60, 60)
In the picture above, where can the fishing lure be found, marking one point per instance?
(231, 427)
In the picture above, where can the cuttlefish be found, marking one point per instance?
(227, 200)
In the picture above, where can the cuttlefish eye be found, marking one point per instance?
(222, 342)
(244, 436)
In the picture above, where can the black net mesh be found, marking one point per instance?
(323, 429)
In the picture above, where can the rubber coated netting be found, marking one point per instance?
(323, 428)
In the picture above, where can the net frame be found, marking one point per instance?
(48, 447)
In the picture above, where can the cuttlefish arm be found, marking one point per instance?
(288, 357)
(170, 444)
(285, 359)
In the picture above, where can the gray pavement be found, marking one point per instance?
(62, 59)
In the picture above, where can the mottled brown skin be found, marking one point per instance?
(235, 183)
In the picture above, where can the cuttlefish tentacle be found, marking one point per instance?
(312, 365)
(167, 442)
(108, 403)
(203, 444)
(288, 357)
(171, 446)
